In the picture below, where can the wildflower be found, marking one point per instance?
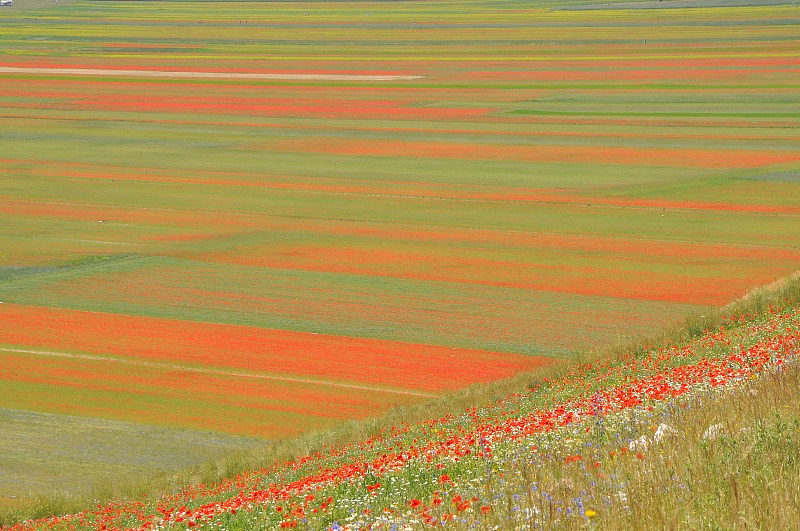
(415, 503)
(713, 432)
(639, 444)
(590, 513)
(664, 430)
(486, 509)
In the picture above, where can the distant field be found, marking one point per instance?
(264, 218)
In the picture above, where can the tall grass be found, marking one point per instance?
(732, 462)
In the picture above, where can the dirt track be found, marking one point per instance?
(218, 372)
(214, 75)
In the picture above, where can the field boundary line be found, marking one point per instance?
(212, 75)
(199, 370)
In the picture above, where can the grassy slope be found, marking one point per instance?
(745, 477)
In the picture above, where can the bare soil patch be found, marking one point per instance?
(214, 75)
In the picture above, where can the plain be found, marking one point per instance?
(235, 217)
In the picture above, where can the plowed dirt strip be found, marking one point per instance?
(346, 359)
(293, 68)
(212, 75)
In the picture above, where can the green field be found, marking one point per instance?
(217, 216)
(41, 450)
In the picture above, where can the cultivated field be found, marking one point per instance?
(259, 219)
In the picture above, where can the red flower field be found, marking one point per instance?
(264, 221)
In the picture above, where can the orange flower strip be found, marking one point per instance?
(278, 352)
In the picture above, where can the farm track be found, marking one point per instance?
(182, 368)
(199, 75)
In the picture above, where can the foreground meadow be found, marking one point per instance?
(231, 222)
(697, 429)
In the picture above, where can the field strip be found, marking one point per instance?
(171, 367)
(212, 75)
(520, 196)
(400, 224)
(547, 134)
